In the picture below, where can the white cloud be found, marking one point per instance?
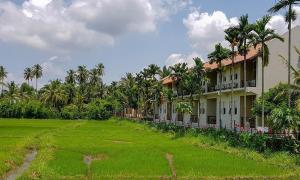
(278, 23)
(176, 58)
(59, 26)
(205, 30)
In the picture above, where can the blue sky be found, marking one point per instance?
(61, 35)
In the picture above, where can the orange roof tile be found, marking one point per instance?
(252, 53)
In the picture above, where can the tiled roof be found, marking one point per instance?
(252, 53)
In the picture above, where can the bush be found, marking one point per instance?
(258, 142)
(100, 110)
(25, 109)
(71, 112)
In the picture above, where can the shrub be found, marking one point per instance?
(100, 110)
(71, 112)
(35, 109)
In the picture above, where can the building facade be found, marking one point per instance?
(214, 104)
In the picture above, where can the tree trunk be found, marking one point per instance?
(245, 83)
(36, 84)
(263, 88)
(231, 75)
(198, 114)
(220, 103)
(289, 55)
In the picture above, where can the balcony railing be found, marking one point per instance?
(225, 86)
(194, 118)
(211, 120)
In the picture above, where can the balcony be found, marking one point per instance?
(225, 86)
(156, 116)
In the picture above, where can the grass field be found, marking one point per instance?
(121, 149)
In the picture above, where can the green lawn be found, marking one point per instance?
(119, 149)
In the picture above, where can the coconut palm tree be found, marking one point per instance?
(166, 71)
(220, 53)
(153, 70)
(245, 29)
(261, 36)
(231, 36)
(100, 69)
(37, 72)
(53, 94)
(3, 75)
(289, 18)
(71, 77)
(27, 74)
(12, 90)
(179, 71)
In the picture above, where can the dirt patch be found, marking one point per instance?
(18, 171)
(169, 157)
(88, 159)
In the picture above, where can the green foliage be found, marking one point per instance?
(25, 109)
(184, 107)
(279, 115)
(257, 142)
(100, 110)
(71, 112)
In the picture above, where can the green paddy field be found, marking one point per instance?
(117, 149)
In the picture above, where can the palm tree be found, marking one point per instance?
(37, 72)
(231, 36)
(71, 77)
(27, 74)
(166, 71)
(54, 94)
(3, 75)
(94, 77)
(179, 71)
(245, 30)
(153, 70)
(289, 18)
(100, 69)
(220, 53)
(12, 90)
(261, 35)
(82, 75)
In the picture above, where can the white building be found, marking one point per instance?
(212, 105)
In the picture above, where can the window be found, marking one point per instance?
(229, 111)
(224, 108)
(236, 76)
(230, 77)
(224, 79)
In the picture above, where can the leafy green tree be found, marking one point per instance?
(261, 36)
(231, 36)
(37, 72)
(82, 78)
(289, 18)
(3, 75)
(220, 53)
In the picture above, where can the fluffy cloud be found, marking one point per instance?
(278, 23)
(60, 26)
(181, 58)
(205, 30)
